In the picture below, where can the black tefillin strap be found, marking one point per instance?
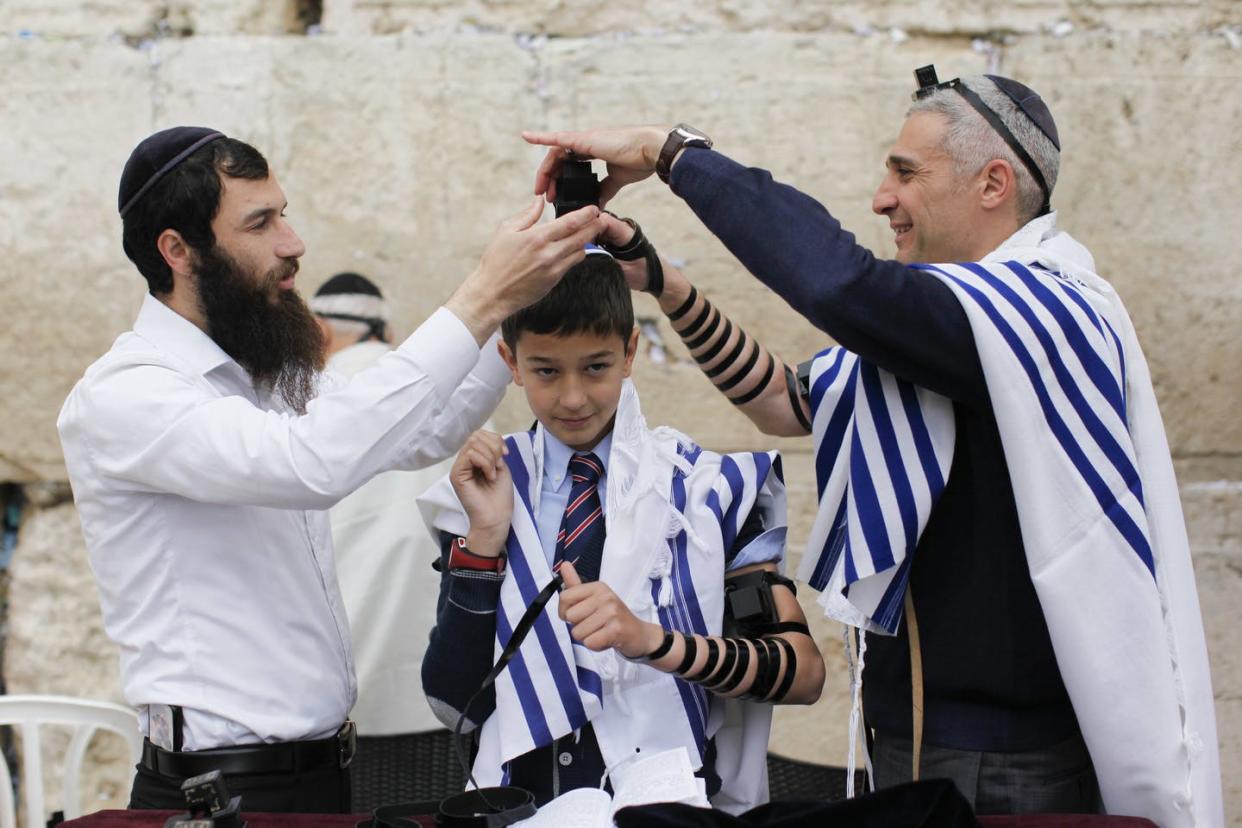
(638, 247)
(926, 78)
(794, 389)
(523, 628)
(376, 326)
(728, 661)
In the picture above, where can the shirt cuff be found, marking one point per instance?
(491, 369)
(767, 547)
(444, 349)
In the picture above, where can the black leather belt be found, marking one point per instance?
(283, 757)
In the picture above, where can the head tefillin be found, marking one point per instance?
(576, 186)
(1023, 97)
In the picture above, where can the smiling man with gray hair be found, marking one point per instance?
(998, 514)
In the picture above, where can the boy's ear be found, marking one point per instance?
(631, 348)
(510, 359)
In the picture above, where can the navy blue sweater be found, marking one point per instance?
(990, 678)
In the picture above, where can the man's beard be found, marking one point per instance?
(268, 331)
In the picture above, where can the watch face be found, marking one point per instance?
(689, 133)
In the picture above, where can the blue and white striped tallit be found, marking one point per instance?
(672, 509)
(883, 450)
(1097, 503)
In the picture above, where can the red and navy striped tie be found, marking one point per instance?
(581, 539)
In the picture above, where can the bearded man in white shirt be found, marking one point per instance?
(205, 447)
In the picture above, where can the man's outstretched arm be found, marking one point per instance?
(759, 383)
(899, 318)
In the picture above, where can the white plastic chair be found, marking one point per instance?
(27, 714)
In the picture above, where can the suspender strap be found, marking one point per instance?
(178, 727)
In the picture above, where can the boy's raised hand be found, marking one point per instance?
(480, 477)
(601, 620)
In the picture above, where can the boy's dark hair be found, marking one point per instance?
(591, 297)
(186, 200)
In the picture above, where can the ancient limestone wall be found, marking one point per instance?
(392, 125)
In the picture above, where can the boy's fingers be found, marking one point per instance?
(482, 464)
(570, 575)
(582, 607)
(587, 627)
(569, 600)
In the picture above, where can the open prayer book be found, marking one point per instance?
(664, 777)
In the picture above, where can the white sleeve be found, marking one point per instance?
(465, 411)
(154, 428)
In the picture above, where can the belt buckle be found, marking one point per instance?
(347, 743)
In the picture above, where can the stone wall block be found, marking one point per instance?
(1219, 576)
(141, 19)
(431, 165)
(1156, 226)
(56, 645)
(878, 17)
(66, 286)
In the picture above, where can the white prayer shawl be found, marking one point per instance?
(673, 510)
(1097, 502)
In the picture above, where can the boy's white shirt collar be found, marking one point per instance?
(556, 456)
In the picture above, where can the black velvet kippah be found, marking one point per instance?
(157, 156)
(349, 283)
(1029, 102)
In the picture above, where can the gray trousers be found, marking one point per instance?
(1059, 779)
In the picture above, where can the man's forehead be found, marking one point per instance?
(240, 196)
(921, 138)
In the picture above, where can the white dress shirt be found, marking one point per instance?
(201, 500)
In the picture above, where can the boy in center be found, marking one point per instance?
(661, 544)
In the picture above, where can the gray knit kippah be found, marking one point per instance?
(1029, 102)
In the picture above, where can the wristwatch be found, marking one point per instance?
(462, 558)
(683, 135)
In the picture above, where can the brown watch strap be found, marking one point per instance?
(680, 136)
